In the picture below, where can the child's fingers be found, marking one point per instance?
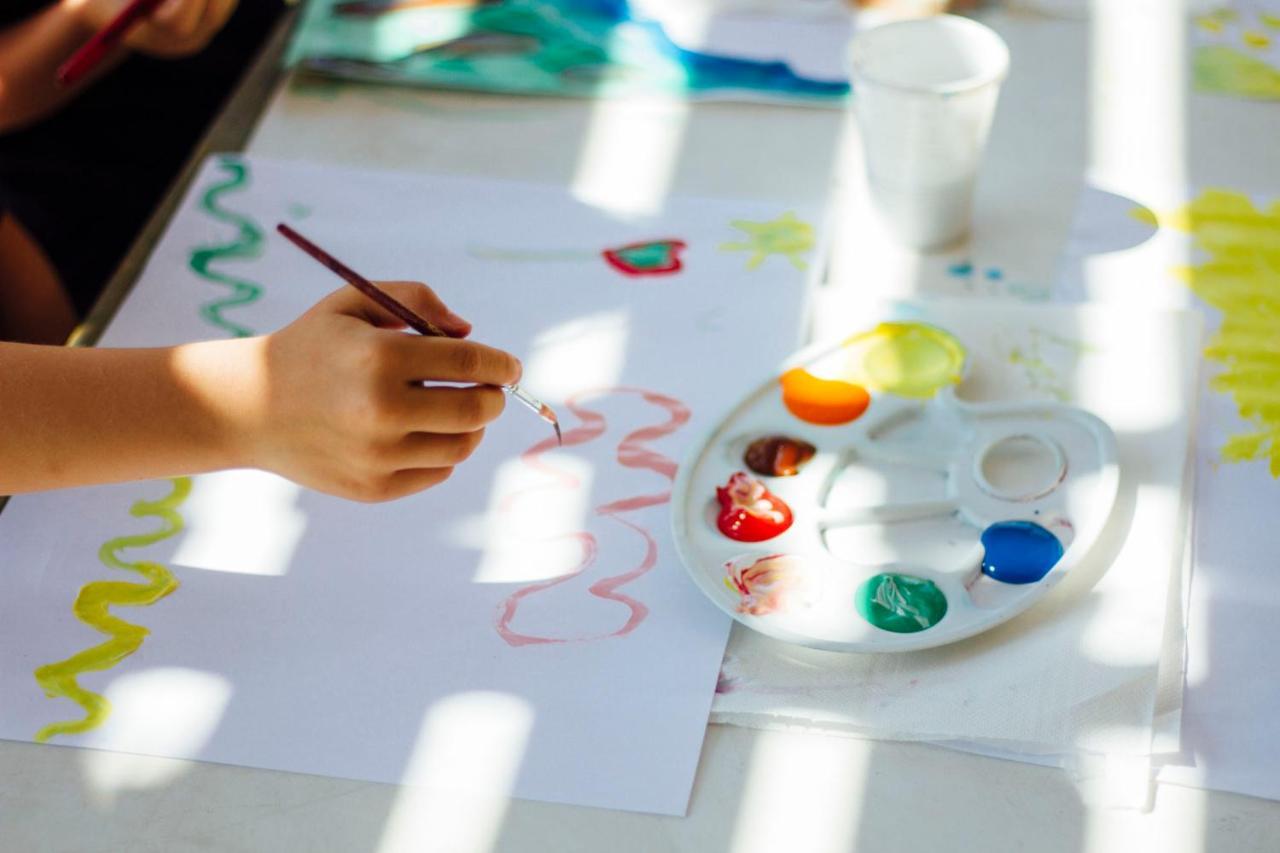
(422, 359)
(407, 482)
(434, 450)
(217, 12)
(450, 410)
(179, 18)
(415, 296)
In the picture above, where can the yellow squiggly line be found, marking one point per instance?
(91, 607)
(1242, 280)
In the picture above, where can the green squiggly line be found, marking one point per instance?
(91, 607)
(247, 244)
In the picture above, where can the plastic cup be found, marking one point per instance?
(924, 92)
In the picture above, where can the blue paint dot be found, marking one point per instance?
(1019, 551)
(964, 268)
(994, 274)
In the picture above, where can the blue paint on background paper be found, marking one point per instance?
(1019, 551)
(582, 48)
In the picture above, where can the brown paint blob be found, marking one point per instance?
(778, 455)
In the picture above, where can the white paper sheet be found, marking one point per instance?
(1078, 672)
(1231, 714)
(314, 635)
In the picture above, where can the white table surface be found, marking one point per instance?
(1104, 97)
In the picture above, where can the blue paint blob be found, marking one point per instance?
(961, 270)
(994, 274)
(1019, 551)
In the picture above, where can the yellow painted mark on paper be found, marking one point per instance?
(786, 236)
(92, 608)
(1037, 361)
(1256, 39)
(1241, 279)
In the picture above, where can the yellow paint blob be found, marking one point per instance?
(1241, 279)
(908, 359)
(786, 236)
(1257, 40)
(92, 608)
(1209, 25)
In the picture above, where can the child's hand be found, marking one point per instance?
(176, 27)
(339, 405)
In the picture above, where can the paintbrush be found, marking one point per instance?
(419, 324)
(95, 49)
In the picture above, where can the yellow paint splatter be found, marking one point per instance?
(1256, 39)
(1209, 24)
(91, 607)
(1242, 280)
(1272, 21)
(1038, 370)
(1225, 70)
(786, 236)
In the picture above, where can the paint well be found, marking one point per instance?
(903, 604)
(778, 455)
(826, 402)
(749, 512)
(766, 584)
(1019, 552)
(908, 359)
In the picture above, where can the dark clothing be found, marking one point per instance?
(85, 180)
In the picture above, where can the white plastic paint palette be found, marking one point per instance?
(885, 550)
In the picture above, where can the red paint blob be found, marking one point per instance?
(748, 511)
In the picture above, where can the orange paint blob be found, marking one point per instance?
(822, 401)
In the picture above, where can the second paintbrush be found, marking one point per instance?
(410, 319)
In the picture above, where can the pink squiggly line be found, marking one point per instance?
(633, 452)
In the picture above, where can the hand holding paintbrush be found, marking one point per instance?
(166, 28)
(410, 319)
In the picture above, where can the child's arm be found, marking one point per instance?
(31, 51)
(333, 401)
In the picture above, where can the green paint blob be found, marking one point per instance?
(907, 359)
(902, 604)
(647, 256)
(247, 245)
(1225, 70)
